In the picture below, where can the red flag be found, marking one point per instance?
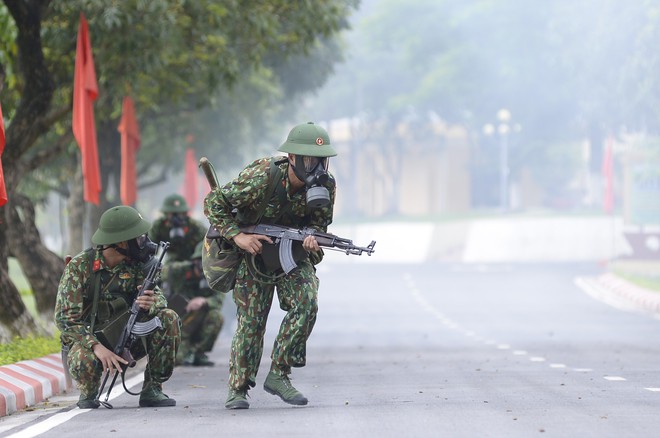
(130, 143)
(85, 91)
(3, 189)
(189, 189)
(608, 176)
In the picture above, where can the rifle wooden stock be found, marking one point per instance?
(209, 172)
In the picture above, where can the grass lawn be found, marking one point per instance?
(31, 347)
(643, 273)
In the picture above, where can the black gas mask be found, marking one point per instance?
(177, 222)
(313, 171)
(141, 249)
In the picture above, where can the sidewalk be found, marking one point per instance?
(30, 382)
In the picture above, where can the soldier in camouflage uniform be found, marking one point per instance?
(308, 148)
(202, 315)
(176, 227)
(121, 248)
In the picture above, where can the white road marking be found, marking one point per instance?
(57, 419)
(584, 285)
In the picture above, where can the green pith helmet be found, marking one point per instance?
(198, 251)
(174, 204)
(308, 139)
(118, 224)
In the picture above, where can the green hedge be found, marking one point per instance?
(28, 348)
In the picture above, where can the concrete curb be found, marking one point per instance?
(638, 296)
(29, 382)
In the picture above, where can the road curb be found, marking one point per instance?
(29, 382)
(636, 295)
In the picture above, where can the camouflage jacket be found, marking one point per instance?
(183, 279)
(119, 288)
(246, 192)
(181, 248)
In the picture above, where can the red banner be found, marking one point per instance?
(85, 92)
(190, 189)
(130, 143)
(3, 189)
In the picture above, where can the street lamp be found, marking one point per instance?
(503, 116)
(503, 129)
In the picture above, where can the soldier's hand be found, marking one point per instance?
(195, 304)
(146, 300)
(108, 359)
(310, 244)
(251, 243)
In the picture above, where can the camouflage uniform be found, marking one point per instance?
(297, 292)
(187, 280)
(119, 287)
(181, 248)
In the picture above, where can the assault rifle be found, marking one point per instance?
(285, 236)
(132, 328)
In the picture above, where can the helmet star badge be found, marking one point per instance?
(319, 141)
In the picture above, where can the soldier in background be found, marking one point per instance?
(199, 307)
(178, 228)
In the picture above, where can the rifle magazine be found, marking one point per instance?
(147, 327)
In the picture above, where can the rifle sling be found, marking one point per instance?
(97, 295)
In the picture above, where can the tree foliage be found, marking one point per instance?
(176, 58)
(566, 70)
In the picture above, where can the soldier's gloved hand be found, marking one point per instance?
(195, 304)
(251, 243)
(108, 359)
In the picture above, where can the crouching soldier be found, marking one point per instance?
(198, 306)
(101, 283)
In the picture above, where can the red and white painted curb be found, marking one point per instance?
(642, 298)
(29, 382)
(622, 294)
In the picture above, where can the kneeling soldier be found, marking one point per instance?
(198, 306)
(113, 271)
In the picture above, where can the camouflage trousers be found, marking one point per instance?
(298, 297)
(202, 340)
(161, 347)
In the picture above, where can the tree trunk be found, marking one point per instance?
(30, 121)
(76, 208)
(41, 267)
(15, 319)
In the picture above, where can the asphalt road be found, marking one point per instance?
(427, 350)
